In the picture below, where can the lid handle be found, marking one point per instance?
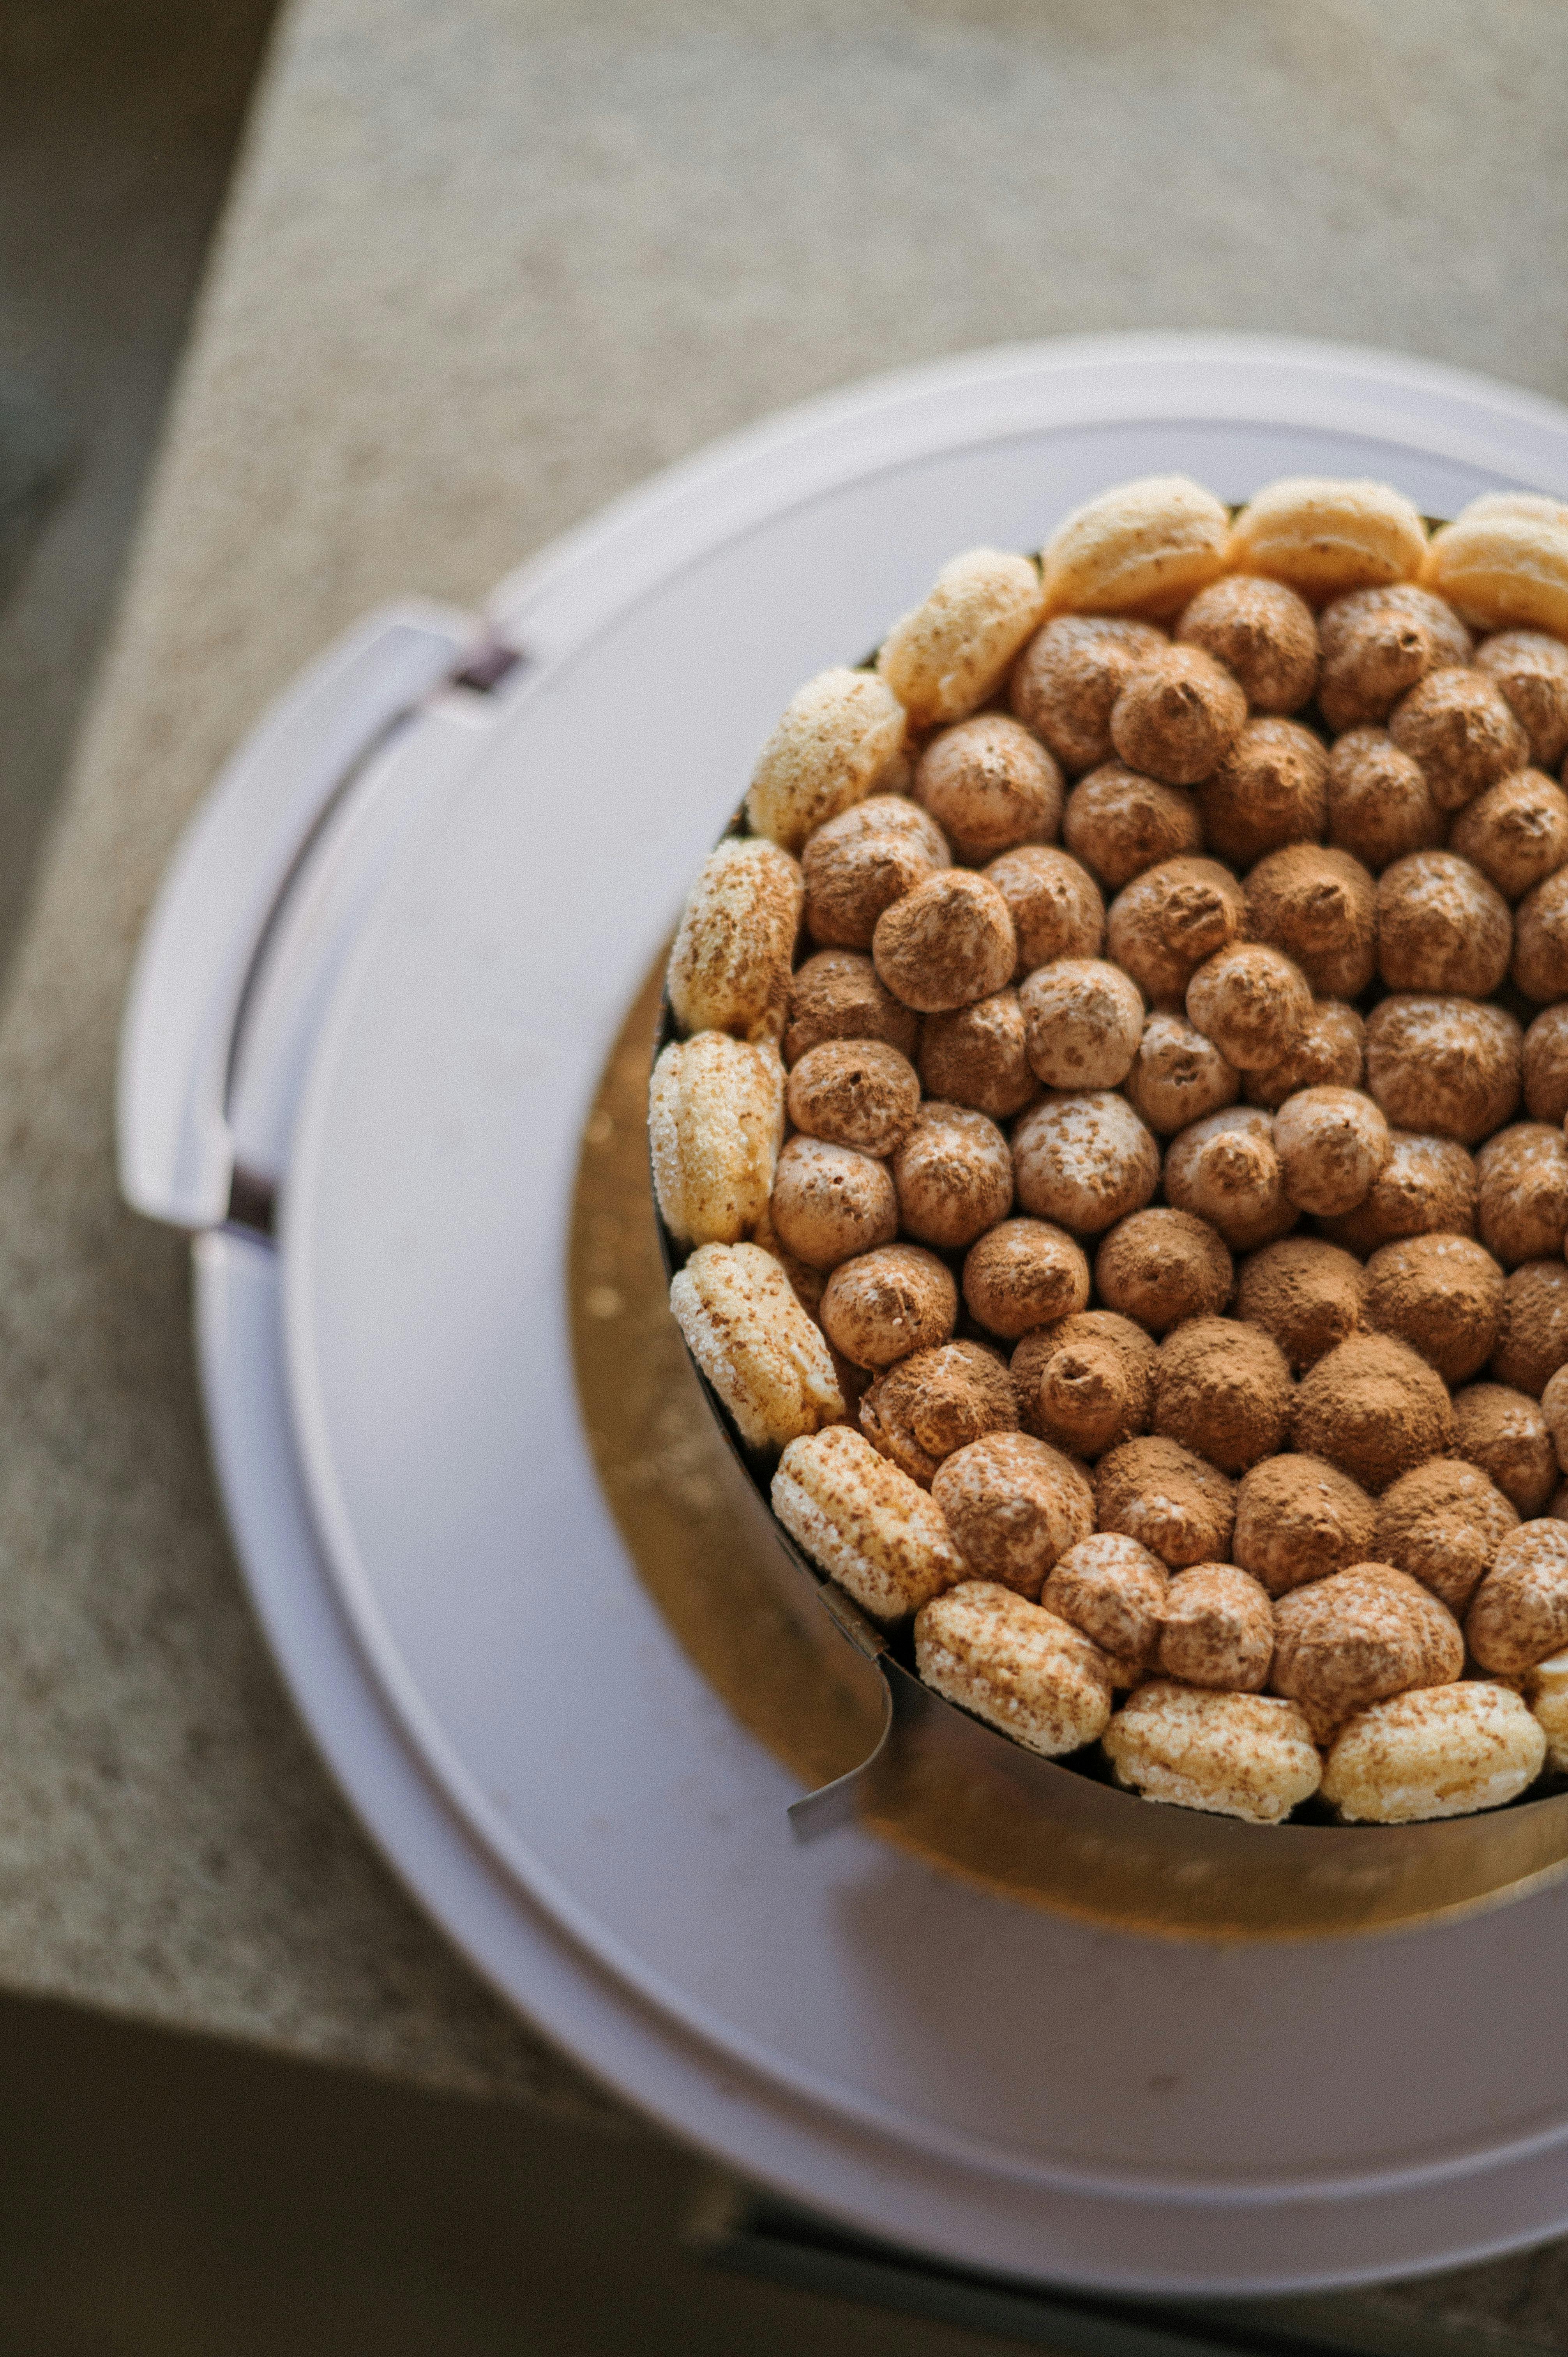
(176, 1154)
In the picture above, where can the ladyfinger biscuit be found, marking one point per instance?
(1546, 1690)
(1438, 1751)
(1143, 548)
(764, 1356)
(1504, 567)
(866, 1524)
(1323, 537)
(1016, 1666)
(1235, 1755)
(836, 738)
(715, 1121)
(951, 652)
(729, 970)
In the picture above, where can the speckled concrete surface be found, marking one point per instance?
(486, 265)
(117, 124)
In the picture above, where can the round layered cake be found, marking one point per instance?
(1113, 1137)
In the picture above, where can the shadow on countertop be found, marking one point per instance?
(118, 126)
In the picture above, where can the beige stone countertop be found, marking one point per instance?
(485, 266)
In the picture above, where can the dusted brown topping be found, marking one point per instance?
(935, 1402)
(977, 1055)
(1226, 1171)
(1181, 1508)
(1253, 1003)
(1442, 926)
(1541, 939)
(1054, 903)
(1069, 675)
(1299, 1518)
(1177, 717)
(729, 970)
(1169, 919)
(1114, 1590)
(1024, 1670)
(1085, 1383)
(1522, 1200)
(1516, 832)
(1177, 1075)
(1533, 1333)
(838, 995)
(806, 1284)
(1532, 672)
(1084, 1159)
(1024, 1273)
(1217, 1630)
(1332, 1145)
(1373, 1408)
(1270, 788)
(834, 742)
(990, 785)
(1504, 1432)
(1380, 804)
(1357, 1637)
(1447, 1067)
(1377, 646)
(883, 814)
(830, 1202)
(1161, 1267)
(954, 1177)
(1444, 1524)
(1321, 909)
(1223, 1390)
(1328, 1055)
(1546, 1066)
(1014, 1504)
(1083, 1019)
(861, 863)
(1307, 1293)
(1520, 1613)
(1443, 1296)
(1458, 727)
(887, 1303)
(857, 1093)
(1338, 623)
(947, 942)
(1377, 663)
(1262, 633)
(1427, 1186)
(925, 824)
(1120, 824)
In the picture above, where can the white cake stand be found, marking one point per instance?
(374, 1001)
